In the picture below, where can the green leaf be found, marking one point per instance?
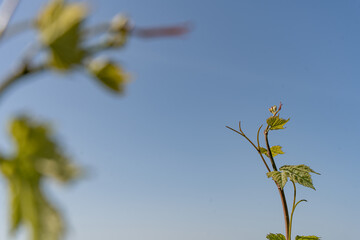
(263, 150)
(275, 122)
(307, 238)
(275, 236)
(279, 177)
(37, 156)
(59, 27)
(275, 150)
(109, 74)
(299, 174)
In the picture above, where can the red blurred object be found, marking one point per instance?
(168, 31)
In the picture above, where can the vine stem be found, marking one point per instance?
(293, 208)
(281, 191)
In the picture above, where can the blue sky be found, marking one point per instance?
(161, 163)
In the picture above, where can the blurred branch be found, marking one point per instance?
(166, 31)
(25, 68)
(143, 32)
(7, 10)
(19, 73)
(128, 29)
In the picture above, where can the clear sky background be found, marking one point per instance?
(162, 165)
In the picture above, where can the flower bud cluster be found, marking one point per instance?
(273, 109)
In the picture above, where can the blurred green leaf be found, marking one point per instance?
(277, 236)
(59, 27)
(275, 150)
(109, 74)
(36, 156)
(276, 123)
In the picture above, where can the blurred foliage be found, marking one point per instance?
(109, 74)
(37, 156)
(61, 32)
(59, 27)
(64, 44)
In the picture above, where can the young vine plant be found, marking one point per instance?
(297, 174)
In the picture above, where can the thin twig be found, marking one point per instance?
(242, 134)
(163, 31)
(293, 208)
(143, 32)
(259, 151)
(256, 148)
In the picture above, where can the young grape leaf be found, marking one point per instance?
(36, 156)
(297, 173)
(279, 177)
(307, 238)
(275, 122)
(109, 74)
(59, 28)
(275, 150)
(277, 236)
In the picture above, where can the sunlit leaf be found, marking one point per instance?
(275, 122)
(277, 236)
(279, 177)
(275, 150)
(299, 174)
(59, 27)
(307, 238)
(296, 173)
(109, 74)
(36, 156)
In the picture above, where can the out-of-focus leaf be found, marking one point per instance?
(277, 236)
(59, 27)
(36, 156)
(275, 150)
(109, 74)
